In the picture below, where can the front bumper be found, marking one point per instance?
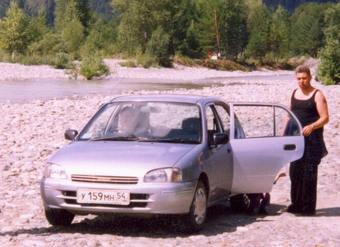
(145, 198)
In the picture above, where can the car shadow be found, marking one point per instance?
(220, 219)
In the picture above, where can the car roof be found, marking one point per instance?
(187, 98)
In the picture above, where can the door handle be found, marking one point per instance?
(288, 147)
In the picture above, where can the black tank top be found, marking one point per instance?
(305, 110)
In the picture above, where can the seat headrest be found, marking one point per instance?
(191, 124)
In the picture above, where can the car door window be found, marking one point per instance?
(264, 121)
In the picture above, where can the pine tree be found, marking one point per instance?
(259, 24)
(306, 35)
(38, 27)
(185, 39)
(68, 10)
(235, 35)
(211, 25)
(280, 33)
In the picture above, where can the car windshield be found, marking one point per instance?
(145, 121)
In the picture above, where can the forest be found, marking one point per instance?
(156, 33)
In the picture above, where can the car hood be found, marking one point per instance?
(118, 158)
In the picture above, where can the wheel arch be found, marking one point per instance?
(205, 180)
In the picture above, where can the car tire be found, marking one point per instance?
(198, 209)
(239, 202)
(58, 217)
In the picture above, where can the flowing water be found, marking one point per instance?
(45, 89)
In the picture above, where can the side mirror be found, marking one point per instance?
(219, 138)
(70, 134)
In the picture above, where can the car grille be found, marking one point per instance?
(104, 179)
(136, 200)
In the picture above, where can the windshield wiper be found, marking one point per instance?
(115, 138)
(145, 139)
(178, 140)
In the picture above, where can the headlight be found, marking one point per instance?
(163, 175)
(54, 171)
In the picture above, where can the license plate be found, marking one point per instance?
(118, 197)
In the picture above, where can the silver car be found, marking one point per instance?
(145, 155)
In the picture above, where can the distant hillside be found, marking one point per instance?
(31, 7)
(103, 8)
(291, 5)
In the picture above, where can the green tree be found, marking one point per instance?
(306, 36)
(68, 10)
(235, 35)
(185, 37)
(191, 46)
(329, 67)
(307, 28)
(158, 45)
(70, 16)
(280, 33)
(101, 38)
(139, 19)
(13, 30)
(38, 26)
(211, 25)
(259, 26)
(51, 44)
(73, 36)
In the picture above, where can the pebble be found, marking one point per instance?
(31, 132)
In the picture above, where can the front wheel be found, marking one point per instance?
(198, 209)
(58, 217)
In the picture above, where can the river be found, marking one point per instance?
(23, 91)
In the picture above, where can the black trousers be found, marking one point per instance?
(303, 177)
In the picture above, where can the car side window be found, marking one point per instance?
(224, 117)
(264, 121)
(211, 121)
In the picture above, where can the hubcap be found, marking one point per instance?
(200, 206)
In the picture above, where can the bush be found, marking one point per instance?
(59, 61)
(5, 57)
(147, 61)
(33, 60)
(129, 64)
(184, 60)
(93, 67)
(329, 68)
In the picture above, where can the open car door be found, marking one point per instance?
(261, 144)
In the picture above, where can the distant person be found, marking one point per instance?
(310, 107)
(127, 120)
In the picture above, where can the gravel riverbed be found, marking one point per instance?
(31, 132)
